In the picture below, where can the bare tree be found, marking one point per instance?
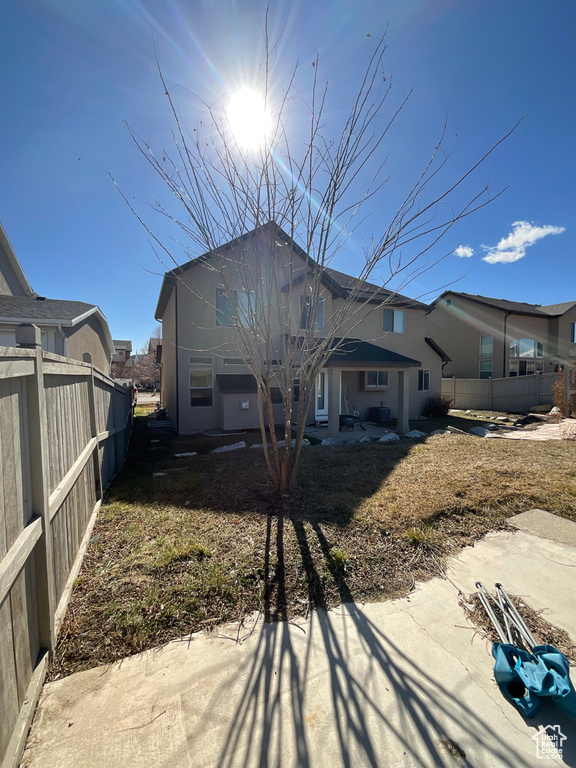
(314, 187)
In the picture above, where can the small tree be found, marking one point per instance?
(313, 186)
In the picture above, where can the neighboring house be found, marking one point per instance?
(69, 328)
(496, 338)
(387, 359)
(120, 357)
(122, 351)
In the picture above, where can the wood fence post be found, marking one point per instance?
(29, 337)
(87, 358)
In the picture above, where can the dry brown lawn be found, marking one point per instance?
(197, 547)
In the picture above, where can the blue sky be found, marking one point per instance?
(72, 72)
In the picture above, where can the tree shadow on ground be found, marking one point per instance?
(379, 705)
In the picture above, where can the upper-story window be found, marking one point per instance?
(233, 307)
(394, 320)
(486, 355)
(573, 333)
(305, 309)
(486, 346)
(526, 357)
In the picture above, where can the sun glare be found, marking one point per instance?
(248, 118)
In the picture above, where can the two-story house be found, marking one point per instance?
(68, 328)
(497, 338)
(387, 359)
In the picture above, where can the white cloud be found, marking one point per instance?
(464, 251)
(513, 247)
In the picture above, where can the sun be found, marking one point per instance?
(248, 118)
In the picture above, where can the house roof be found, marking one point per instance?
(339, 283)
(354, 352)
(375, 293)
(36, 309)
(438, 349)
(515, 307)
(6, 246)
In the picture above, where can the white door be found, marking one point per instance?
(321, 412)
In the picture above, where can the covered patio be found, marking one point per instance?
(348, 387)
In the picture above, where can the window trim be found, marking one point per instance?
(396, 313)
(424, 379)
(480, 371)
(318, 320)
(375, 387)
(230, 312)
(485, 356)
(203, 369)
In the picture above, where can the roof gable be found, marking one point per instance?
(513, 307)
(11, 273)
(338, 283)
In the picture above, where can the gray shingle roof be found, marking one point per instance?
(357, 352)
(30, 308)
(375, 292)
(517, 307)
(558, 309)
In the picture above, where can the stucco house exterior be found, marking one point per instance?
(387, 359)
(498, 338)
(69, 328)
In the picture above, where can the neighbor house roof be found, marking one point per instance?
(339, 283)
(6, 246)
(515, 307)
(36, 309)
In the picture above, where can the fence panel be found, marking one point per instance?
(59, 418)
(516, 394)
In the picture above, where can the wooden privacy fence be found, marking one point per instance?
(64, 430)
(516, 394)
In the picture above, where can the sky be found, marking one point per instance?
(74, 74)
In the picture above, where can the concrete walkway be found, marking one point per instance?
(562, 430)
(402, 683)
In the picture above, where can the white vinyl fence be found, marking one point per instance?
(516, 394)
(64, 430)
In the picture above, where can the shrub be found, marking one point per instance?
(437, 406)
(558, 390)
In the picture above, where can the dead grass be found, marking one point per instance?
(188, 550)
(543, 631)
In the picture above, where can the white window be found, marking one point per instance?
(526, 357)
(305, 320)
(233, 307)
(394, 320)
(201, 387)
(201, 361)
(485, 369)
(375, 379)
(423, 380)
(486, 346)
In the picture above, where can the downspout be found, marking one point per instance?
(63, 335)
(177, 356)
(506, 316)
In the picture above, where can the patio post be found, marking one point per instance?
(403, 401)
(334, 377)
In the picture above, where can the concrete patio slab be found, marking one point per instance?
(401, 683)
(547, 525)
